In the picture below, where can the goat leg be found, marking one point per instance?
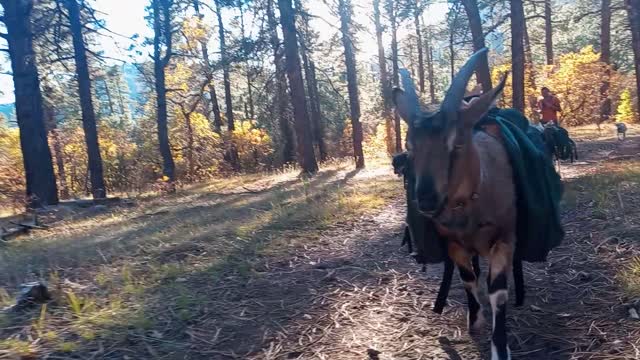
(464, 261)
(443, 292)
(518, 279)
(500, 261)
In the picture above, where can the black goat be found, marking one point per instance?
(559, 145)
(621, 130)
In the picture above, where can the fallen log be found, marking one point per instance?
(92, 202)
(7, 235)
(30, 226)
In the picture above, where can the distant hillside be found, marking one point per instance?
(131, 77)
(8, 111)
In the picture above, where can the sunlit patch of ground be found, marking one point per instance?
(115, 272)
(278, 266)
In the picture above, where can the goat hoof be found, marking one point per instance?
(478, 324)
(498, 355)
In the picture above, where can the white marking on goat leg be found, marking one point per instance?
(499, 297)
(472, 286)
(451, 139)
(494, 353)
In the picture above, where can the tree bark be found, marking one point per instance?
(248, 66)
(316, 112)
(483, 74)
(391, 9)
(605, 57)
(452, 52)
(417, 12)
(41, 186)
(306, 156)
(548, 32)
(385, 88)
(96, 174)
(280, 101)
(346, 9)
(108, 93)
(312, 86)
(517, 54)
(530, 73)
(52, 129)
(432, 81)
(162, 31)
(215, 106)
(633, 11)
(225, 68)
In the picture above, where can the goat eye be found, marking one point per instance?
(459, 205)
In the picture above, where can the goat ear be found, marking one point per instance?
(472, 112)
(399, 163)
(401, 102)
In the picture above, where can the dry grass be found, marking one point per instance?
(276, 267)
(115, 274)
(607, 132)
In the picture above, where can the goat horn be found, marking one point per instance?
(410, 93)
(455, 94)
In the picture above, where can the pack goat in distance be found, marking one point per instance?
(464, 184)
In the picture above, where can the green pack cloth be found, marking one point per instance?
(538, 194)
(538, 188)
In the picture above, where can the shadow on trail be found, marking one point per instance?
(205, 216)
(345, 290)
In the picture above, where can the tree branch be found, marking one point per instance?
(499, 23)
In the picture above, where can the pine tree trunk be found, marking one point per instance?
(417, 12)
(98, 188)
(517, 54)
(633, 11)
(52, 129)
(452, 53)
(605, 57)
(392, 10)
(432, 80)
(162, 30)
(108, 93)
(548, 32)
(385, 86)
(483, 74)
(190, 146)
(38, 165)
(215, 106)
(251, 110)
(316, 114)
(288, 141)
(312, 86)
(225, 68)
(530, 73)
(306, 156)
(345, 9)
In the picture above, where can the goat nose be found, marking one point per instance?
(428, 203)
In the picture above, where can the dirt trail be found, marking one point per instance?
(276, 288)
(354, 294)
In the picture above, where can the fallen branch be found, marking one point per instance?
(30, 226)
(7, 235)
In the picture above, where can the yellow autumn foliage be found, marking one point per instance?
(254, 145)
(11, 166)
(576, 80)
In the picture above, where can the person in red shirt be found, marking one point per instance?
(548, 107)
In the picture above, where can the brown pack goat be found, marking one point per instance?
(464, 183)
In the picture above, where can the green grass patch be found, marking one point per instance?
(630, 278)
(18, 348)
(604, 191)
